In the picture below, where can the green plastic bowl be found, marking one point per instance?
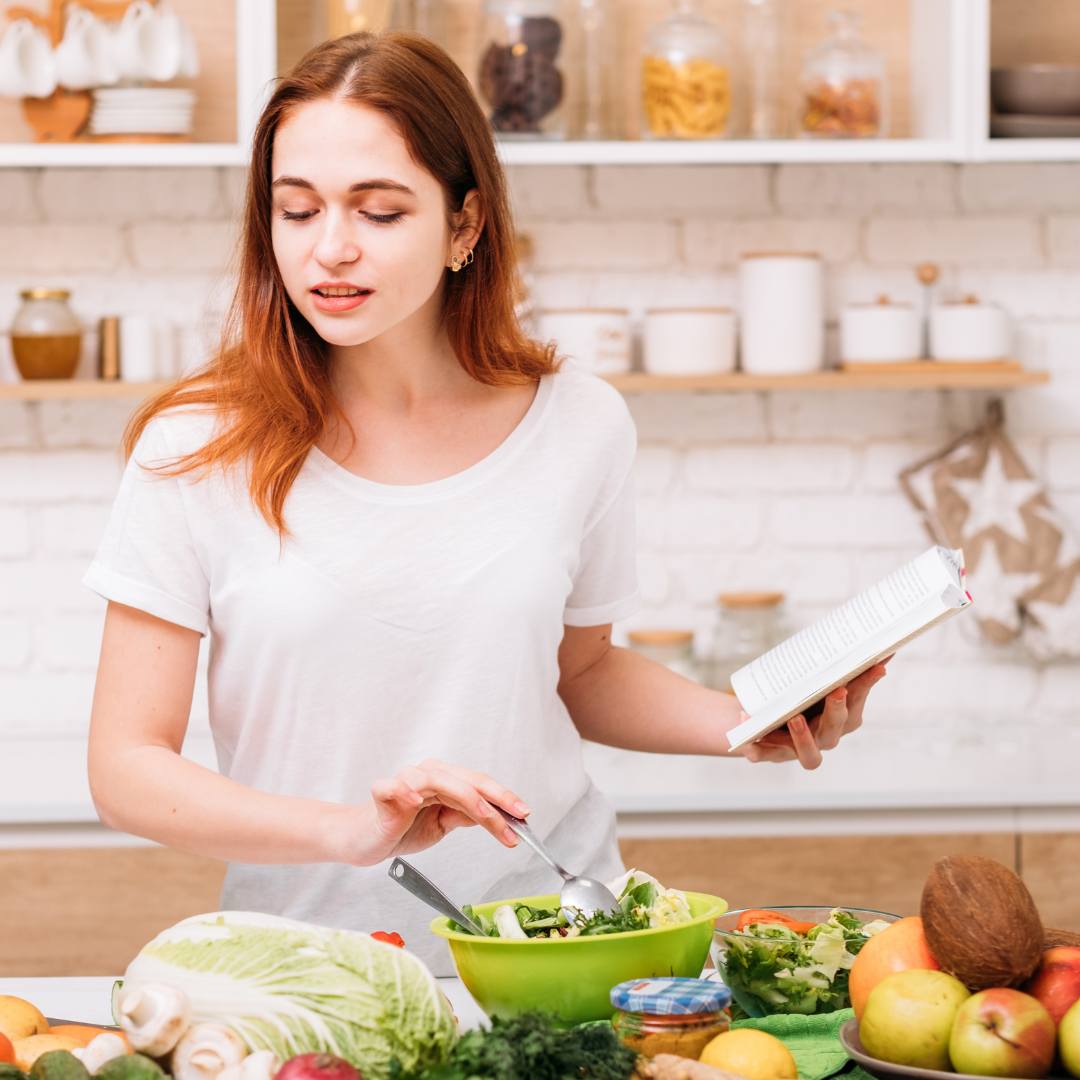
(573, 977)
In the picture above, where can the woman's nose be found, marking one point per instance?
(337, 244)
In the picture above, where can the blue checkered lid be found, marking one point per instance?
(670, 997)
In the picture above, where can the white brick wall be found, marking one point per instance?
(790, 491)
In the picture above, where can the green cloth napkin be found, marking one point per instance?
(812, 1040)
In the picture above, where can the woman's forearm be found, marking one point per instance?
(151, 791)
(628, 701)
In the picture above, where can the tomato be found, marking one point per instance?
(7, 1051)
(390, 939)
(774, 918)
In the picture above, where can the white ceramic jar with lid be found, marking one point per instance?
(969, 330)
(782, 299)
(596, 340)
(689, 341)
(879, 333)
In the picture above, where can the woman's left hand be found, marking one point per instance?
(843, 713)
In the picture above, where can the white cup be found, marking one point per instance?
(879, 333)
(138, 349)
(189, 62)
(84, 58)
(148, 45)
(783, 313)
(27, 61)
(596, 340)
(969, 331)
(689, 341)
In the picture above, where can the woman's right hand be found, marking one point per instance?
(418, 807)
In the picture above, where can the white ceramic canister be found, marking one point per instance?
(596, 340)
(969, 330)
(689, 341)
(879, 332)
(783, 313)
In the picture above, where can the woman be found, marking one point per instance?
(407, 532)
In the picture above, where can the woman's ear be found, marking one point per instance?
(469, 221)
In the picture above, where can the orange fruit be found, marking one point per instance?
(899, 947)
(7, 1051)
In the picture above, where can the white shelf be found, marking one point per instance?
(729, 151)
(26, 155)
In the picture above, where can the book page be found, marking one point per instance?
(834, 636)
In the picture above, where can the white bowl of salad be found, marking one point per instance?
(792, 959)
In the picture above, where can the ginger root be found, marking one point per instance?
(671, 1067)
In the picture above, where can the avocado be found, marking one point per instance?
(129, 1067)
(58, 1065)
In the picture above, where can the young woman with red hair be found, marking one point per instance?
(405, 529)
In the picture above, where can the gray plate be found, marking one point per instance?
(884, 1070)
(1017, 126)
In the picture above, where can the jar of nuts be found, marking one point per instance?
(685, 77)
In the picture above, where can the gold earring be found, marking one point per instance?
(457, 264)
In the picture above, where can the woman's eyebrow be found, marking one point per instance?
(381, 184)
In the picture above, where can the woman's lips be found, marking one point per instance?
(339, 302)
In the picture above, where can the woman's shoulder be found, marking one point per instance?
(592, 404)
(174, 433)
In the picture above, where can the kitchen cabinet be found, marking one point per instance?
(939, 53)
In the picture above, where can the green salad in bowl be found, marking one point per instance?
(792, 959)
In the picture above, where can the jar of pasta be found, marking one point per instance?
(685, 77)
(843, 93)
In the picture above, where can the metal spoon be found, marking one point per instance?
(586, 894)
(408, 877)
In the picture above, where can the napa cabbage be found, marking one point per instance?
(295, 988)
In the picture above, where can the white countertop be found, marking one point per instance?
(87, 998)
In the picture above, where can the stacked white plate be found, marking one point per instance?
(138, 110)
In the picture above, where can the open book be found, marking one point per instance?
(799, 672)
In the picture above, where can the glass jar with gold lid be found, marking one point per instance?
(46, 337)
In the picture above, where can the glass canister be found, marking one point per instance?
(749, 624)
(670, 1016)
(844, 92)
(46, 337)
(672, 648)
(521, 68)
(685, 76)
(596, 98)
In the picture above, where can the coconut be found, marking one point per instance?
(1052, 938)
(980, 922)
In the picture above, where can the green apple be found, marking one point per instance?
(1069, 1039)
(909, 1017)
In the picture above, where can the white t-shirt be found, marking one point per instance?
(395, 624)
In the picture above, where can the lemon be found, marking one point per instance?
(18, 1018)
(755, 1054)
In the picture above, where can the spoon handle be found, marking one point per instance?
(518, 826)
(409, 878)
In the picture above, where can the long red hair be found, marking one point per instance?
(268, 384)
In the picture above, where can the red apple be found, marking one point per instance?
(899, 947)
(1002, 1032)
(1056, 982)
(317, 1067)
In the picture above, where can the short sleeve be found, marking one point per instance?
(147, 558)
(605, 587)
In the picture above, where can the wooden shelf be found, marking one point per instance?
(76, 389)
(927, 375)
(924, 376)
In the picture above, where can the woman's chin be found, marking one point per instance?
(339, 330)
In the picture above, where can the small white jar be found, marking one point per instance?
(783, 313)
(969, 330)
(689, 341)
(596, 340)
(879, 333)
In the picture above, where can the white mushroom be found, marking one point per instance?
(99, 1049)
(261, 1065)
(154, 1016)
(205, 1051)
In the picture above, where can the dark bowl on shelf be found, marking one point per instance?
(1037, 89)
